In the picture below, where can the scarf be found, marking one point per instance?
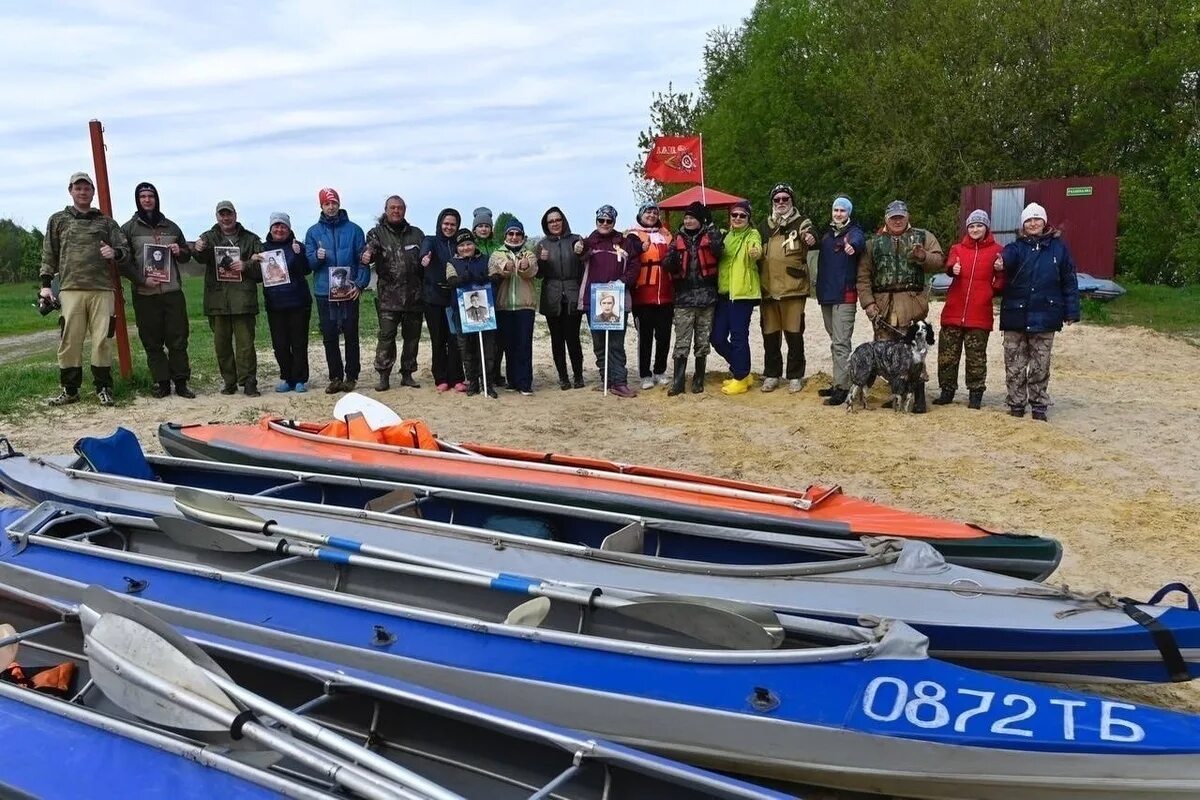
(775, 223)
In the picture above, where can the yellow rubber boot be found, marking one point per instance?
(737, 386)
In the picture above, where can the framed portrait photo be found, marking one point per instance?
(607, 311)
(225, 258)
(274, 268)
(341, 285)
(477, 309)
(156, 263)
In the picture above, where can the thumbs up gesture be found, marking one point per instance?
(956, 270)
(998, 264)
(918, 253)
(320, 252)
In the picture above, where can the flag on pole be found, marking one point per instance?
(676, 159)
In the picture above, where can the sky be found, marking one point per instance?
(516, 106)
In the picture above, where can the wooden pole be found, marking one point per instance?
(124, 361)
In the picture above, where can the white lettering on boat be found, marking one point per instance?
(929, 706)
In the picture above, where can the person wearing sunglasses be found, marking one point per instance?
(609, 255)
(841, 248)
(653, 296)
(785, 288)
(516, 300)
(692, 264)
(560, 267)
(891, 280)
(739, 290)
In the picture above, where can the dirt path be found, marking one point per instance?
(15, 348)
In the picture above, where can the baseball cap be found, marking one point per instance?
(225, 205)
(81, 176)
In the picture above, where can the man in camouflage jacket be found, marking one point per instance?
(80, 242)
(394, 251)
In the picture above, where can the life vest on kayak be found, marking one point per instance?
(56, 680)
(406, 433)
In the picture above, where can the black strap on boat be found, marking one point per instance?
(1163, 640)
(235, 727)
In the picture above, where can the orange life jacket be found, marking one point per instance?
(56, 680)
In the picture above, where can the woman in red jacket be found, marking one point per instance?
(967, 315)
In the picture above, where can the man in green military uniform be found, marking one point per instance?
(80, 242)
(394, 251)
(231, 298)
(891, 280)
(158, 302)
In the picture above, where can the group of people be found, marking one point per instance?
(698, 285)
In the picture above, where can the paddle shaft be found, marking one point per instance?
(341, 773)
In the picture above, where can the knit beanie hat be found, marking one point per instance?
(328, 195)
(481, 216)
(979, 216)
(463, 235)
(1033, 211)
(281, 217)
(841, 201)
(699, 211)
(783, 187)
(744, 205)
(514, 224)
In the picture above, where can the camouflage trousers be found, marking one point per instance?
(1027, 367)
(693, 329)
(951, 344)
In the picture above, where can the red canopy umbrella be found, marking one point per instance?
(713, 198)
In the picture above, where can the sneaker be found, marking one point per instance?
(623, 390)
(770, 384)
(229, 388)
(64, 398)
(460, 387)
(283, 386)
(661, 379)
(648, 382)
(335, 386)
(105, 396)
(301, 387)
(795, 385)
(491, 392)
(526, 393)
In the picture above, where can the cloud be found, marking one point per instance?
(516, 107)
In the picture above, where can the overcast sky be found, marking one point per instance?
(515, 106)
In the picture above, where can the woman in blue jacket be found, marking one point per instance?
(437, 251)
(1041, 293)
(334, 247)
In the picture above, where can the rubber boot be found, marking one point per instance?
(406, 379)
(975, 398)
(698, 376)
(919, 399)
(678, 377)
(945, 398)
(385, 381)
(181, 389)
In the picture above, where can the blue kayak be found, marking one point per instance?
(875, 713)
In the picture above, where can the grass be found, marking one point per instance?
(1166, 309)
(27, 381)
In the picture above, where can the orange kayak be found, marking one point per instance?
(409, 453)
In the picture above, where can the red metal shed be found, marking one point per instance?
(1085, 209)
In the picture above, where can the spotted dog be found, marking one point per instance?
(900, 363)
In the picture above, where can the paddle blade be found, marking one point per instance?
(736, 626)
(374, 412)
(8, 653)
(214, 510)
(135, 644)
(194, 534)
(529, 614)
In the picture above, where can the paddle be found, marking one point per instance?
(8, 653)
(374, 412)
(726, 624)
(147, 675)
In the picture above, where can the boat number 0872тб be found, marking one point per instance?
(926, 705)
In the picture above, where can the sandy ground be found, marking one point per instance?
(1115, 474)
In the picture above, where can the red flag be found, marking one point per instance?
(675, 159)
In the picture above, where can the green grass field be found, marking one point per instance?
(1162, 308)
(28, 379)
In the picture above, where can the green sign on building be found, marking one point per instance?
(1079, 191)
